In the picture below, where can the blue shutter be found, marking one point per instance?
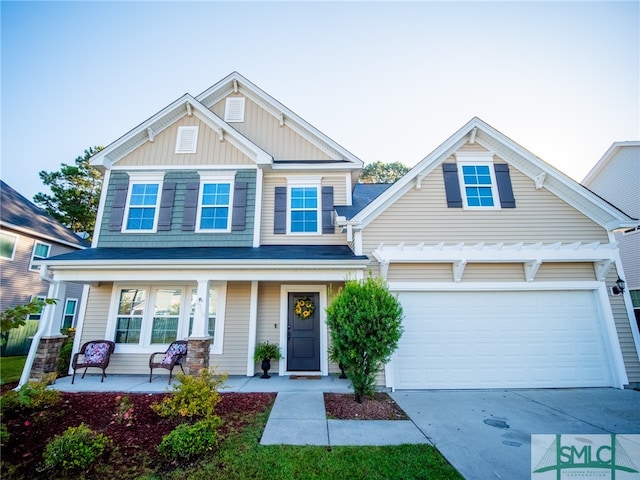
(452, 185)
(118, 206)
(190, 207)
(327, 210)
(166, 206)
(503, 179)
(239, 206)
(280, 213)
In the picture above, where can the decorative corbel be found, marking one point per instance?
(531, 269)
(472, 137)
(235, 86)
(458, 270)
(601, 269)
(151, 134)
(539, 180)
(282, 119)
(220, 134)
(189, 111)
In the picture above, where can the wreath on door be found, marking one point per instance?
(304, 308)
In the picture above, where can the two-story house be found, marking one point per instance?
(224, 212)
(29, 234)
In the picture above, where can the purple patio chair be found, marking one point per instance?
(95, 354)
(175, 355)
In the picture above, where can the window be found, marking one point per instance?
(40, 252)
(38, 314)
(214, 206)
(635, 301)
(129, 319)
(166, 315)
(304, 210)
(213, 307)
(69, 312)
(478, 185)
(143, 202)
(147, 316)
(234, 109)
(187, 140)
(7, 245)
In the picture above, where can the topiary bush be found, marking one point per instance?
(194, 397)
(366, 324)
(187, 441)
(75, 449)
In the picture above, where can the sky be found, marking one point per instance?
(389, 81)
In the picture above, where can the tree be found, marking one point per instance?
(16, 316)
(366, 324)
(75, 194)
(379, 172)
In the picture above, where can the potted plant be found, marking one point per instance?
(264, 352)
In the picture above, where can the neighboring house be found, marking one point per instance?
(616, 178)
(223, 211)
(28, 234)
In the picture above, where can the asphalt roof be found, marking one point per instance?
(363, 195)
(17, 211)
(266, 252)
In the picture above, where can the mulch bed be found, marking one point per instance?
(342, 406)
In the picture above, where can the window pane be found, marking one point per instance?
(130, 311)
(477, 180)
(214, 218)
(165, 315)
(304, 221)
(215, 206)
(7, 244)
(304, 209)
(142, 211)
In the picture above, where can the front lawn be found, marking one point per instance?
(136, 431)
(11, 369)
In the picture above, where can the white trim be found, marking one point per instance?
(253, 328)
(257, 216)
(187, 139)
(100, 215)
(321, 309)
(305, 182)
(75, 311)
(618, 369)
(464, 159)
(15, 243)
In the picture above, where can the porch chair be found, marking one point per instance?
(175, 355)
(95, 354)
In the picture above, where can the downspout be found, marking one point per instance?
(24, 378)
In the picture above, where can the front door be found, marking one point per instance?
(303, 332)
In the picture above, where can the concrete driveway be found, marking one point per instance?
(486, 434)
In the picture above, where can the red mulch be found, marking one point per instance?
(342, 406)
(136, 443)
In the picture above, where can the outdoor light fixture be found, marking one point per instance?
(619, 287)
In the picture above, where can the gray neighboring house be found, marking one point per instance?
(616, 178)
(28, 233)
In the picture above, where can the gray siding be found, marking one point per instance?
(176, 237)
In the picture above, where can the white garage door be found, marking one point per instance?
(501, 339)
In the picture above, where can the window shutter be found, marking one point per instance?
(118, 206)
(166, 206)
(503, 179)
(239, 206)
(280, 214)
(190, 207)
(452, 185)
(327, 210)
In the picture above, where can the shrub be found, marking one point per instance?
(187, 441)
(4, 435)
(366, 324)
(64, 360)
(31, 396)
(195, 397)
(75, 449)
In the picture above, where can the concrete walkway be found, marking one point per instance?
(299, 418)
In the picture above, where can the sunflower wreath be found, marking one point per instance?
(304, 308)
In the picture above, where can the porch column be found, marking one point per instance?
(253, 327)
(47, 342)
(200, 340)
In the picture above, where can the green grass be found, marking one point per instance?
(11, 369)
(242, 457)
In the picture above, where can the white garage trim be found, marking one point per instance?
(607, 330)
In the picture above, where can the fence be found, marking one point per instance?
(19, 339)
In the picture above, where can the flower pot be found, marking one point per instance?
(266, 365)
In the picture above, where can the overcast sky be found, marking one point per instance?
(389, 81)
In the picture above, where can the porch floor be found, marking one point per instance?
(236, 383)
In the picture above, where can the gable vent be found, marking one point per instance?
(234, 109)
(187, 140)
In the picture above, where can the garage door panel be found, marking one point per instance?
(500, 339)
